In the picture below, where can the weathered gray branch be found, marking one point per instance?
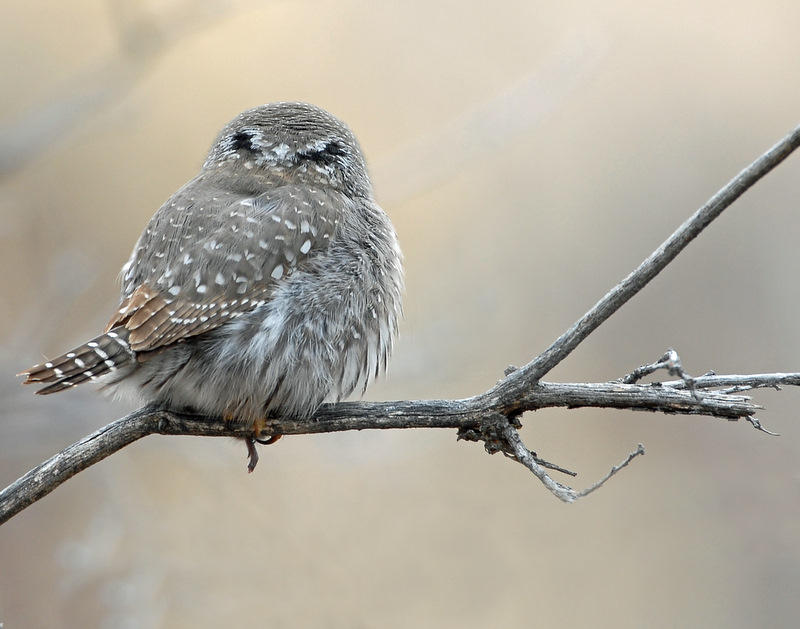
(652, 266)
(740, 383)
(562, 492)
(476, 419)
(491, 417)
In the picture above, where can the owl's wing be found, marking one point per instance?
(199, 265)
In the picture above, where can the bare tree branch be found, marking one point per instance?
(491, 417)
(647, 270)
(475, 418)
(740, 383)
(562, 492)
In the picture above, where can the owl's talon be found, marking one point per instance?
(252, 454)
(269, 440)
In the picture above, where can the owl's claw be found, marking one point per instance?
(252, 453)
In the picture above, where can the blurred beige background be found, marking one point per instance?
(530, 155)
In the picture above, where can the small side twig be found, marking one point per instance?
(559, 490)
(639, 451)
(757, 425)
(669, 361)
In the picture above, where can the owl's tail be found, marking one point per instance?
(100, 356)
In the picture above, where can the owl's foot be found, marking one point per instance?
(252, 453)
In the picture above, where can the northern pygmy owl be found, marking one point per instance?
(267, 284)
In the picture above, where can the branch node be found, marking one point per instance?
(670, 361)
(468, 434)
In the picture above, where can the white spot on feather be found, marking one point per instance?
(281, 150)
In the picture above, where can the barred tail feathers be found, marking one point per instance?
(100, 356)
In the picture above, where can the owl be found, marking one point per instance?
(269, 283)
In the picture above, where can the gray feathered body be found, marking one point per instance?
(270, 282)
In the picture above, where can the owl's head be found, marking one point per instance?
(296, 142)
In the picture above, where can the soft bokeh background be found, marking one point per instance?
(530, 155)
